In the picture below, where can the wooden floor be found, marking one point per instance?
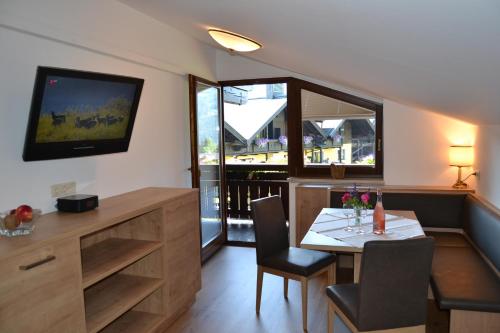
(226, 303)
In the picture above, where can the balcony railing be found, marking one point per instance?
(273, 146)
(241, 192)
(244, 183)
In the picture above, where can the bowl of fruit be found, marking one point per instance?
(19, 221)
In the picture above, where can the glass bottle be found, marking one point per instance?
(379, 215)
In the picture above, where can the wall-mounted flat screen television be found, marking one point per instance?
(76, 113)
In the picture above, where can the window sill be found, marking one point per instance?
(330, 181)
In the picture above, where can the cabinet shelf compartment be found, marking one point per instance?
(135, 322)
(111, 255)
(115, 295)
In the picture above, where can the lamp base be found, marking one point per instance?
(460, 185)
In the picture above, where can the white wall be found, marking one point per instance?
(235, 67)
(102, 36)
(417, 145)
(488, 162)
(415, 141)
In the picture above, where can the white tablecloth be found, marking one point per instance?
(333, 224)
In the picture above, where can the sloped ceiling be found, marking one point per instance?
(442, 55)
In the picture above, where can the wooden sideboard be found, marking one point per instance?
(131, 265)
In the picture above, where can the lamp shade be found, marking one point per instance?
(234, 42)
(462, 156)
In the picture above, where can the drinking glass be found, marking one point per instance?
(348, 212)
(364, 212)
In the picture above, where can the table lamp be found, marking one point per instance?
(461, 156)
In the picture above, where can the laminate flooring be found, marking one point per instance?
(226, 303)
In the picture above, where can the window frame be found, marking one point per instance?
(271, 80)
(295, 144)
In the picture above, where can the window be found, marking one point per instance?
(255, 124)
(335, 127)
(336, 132)
(303, 125)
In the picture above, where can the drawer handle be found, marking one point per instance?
(37, 263)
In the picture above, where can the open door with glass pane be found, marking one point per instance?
(256, 150)
(207, 165)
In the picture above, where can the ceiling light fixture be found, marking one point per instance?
(234, 42)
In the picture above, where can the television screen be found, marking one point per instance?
(77, 113)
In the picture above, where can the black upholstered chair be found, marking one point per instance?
(275, 256)
(392, 290)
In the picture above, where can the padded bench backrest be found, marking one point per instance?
(482, 224)
(432, 210)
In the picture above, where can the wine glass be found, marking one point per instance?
(348, 212)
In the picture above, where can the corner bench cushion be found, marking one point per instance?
(462, 280)
(482, 225)
(298, 261)
(448, 239)
(432, 209)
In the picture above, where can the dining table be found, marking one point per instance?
(328, 232)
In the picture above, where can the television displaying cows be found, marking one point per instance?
(75, 109)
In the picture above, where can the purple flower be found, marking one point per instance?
(262, 142)
(308, 139)
(283, 140)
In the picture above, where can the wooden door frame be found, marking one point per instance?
(213, 246)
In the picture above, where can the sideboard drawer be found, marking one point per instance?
(40, 290)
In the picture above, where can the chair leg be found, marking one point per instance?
(285, 287)
(331, 317)
(304, 303)
(332, 274)
(260, 276)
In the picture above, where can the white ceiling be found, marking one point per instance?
(441, 55)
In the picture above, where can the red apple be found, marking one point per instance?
(24, 213)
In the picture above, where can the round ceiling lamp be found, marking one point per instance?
(234, 42)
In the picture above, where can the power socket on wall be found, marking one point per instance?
(63, 189)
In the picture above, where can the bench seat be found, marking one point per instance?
(460, 278)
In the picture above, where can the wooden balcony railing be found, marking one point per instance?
(242, 188)
(241, 192)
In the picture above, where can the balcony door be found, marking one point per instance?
(207, 164)
(255, 150)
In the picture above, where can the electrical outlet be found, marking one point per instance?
(63, 189)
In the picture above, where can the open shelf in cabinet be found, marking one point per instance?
(112, 297)
(111, 255)
(135, 322)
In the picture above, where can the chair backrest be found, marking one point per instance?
(271, 233)
(394, 280)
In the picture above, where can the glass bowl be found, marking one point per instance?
(24, 228)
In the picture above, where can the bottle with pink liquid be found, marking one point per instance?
(379, 215)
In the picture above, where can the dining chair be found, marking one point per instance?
(275, 256)
(392, 289)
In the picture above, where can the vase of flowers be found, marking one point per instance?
(358, 203)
